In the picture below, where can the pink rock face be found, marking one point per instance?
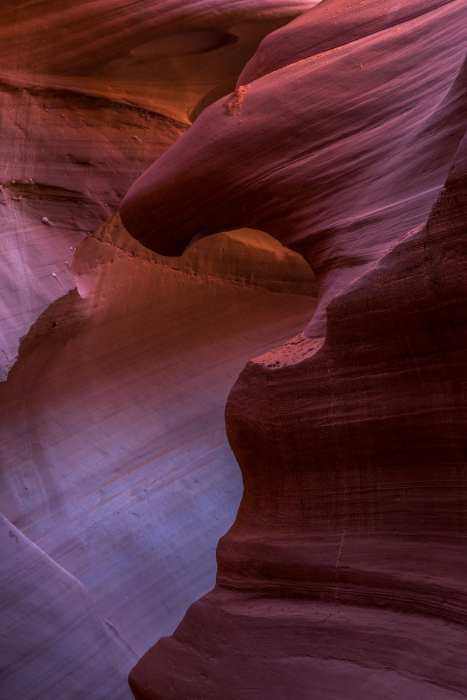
(344, 574)
(116, 477)
(337, 155)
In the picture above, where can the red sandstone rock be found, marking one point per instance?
(344, 574)
(91, 93)
(114, 456)
(113, 453)
(336, 155)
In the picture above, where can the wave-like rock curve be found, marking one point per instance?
(344, 573)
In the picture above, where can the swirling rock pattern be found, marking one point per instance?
(115, 461)
(91, 93)
(344, 574)
(337, 155)
(115, 472)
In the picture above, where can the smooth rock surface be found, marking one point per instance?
(91, 93)
(67, 158)
(344, 574)
(112, 438)
(114, 459)
(51, 630)
(337, 155)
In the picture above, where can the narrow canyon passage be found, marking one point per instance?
(344, 574)
(232, 350)
(112, 424)
(116, 477)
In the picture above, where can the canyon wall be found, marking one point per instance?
(116, 478)
(267, 197)
(91, 93)
(344, 574)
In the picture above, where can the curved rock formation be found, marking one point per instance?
(344, 573)
(336, 155)
(91, 93)
(114, 456)
(114, 459)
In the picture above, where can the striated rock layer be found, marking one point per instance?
(337, 155)
(115, 461)
(344, 574)
(116, 478)
(91, 93)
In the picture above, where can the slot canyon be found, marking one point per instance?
(233, 350)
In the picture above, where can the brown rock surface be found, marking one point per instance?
(112, 439)
(113, 455)
(344, 574)
(91, 93)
